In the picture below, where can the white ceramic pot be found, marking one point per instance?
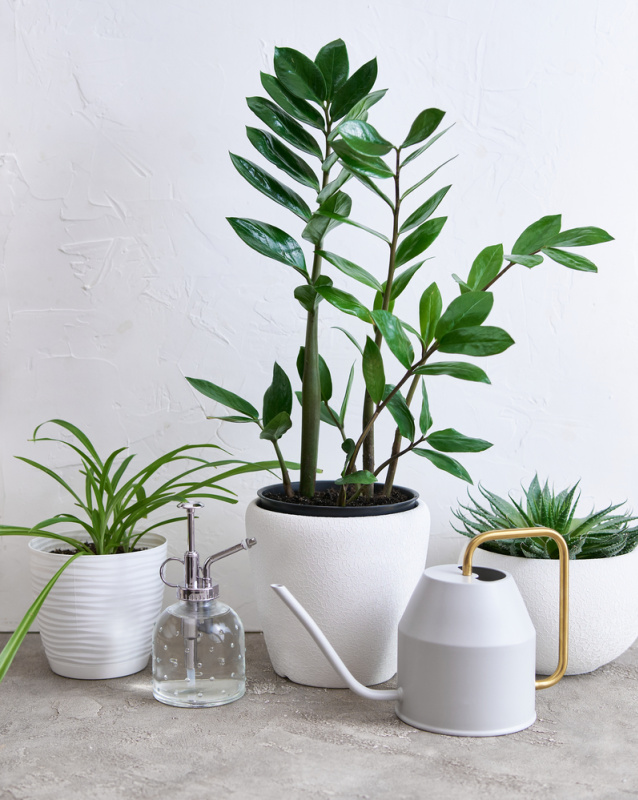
(97, 621)
(603, 606)
(354, 575)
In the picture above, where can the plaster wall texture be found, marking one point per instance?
(120, 275)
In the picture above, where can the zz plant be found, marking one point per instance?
(320, 137)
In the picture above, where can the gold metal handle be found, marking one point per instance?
(563, 552)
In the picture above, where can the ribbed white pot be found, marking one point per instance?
(603, 606)
(97, 621)
(353, 575)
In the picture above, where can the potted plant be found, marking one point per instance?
(101, 581)
(363, 567)
(603, 595)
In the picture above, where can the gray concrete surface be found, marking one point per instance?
(62, 739)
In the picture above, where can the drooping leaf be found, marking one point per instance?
(345, 302)
(444, 463)
(276, 427)
(485, 267)
(419, 240)
(369, 165)
(271, 187)
(401, 413)
(394, 336)
(332, 60)
(455, 369)
(425, 418)
(467, 311)
(571, 260)
(451, 441)
(351, 269)
(363, 476)
(476, 341)
(525, 261)
(295, 106)
(224, 397)
(278, 396)
(580, 237)
(425, 210)
(354, 89)
(373, 371)
(364, 139)
(430, 307)
(299, 74)
(271, 242)
(322, 221)
(284, 125)
(538, 235)
(282, 157)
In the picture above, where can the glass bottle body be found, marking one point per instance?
(198, 655)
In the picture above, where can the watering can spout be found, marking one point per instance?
(328, 650)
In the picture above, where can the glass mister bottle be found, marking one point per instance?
(198, 643)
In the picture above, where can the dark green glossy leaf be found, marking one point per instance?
(342, 178)
(301, 76)
(373, 371)
(538, 235)
(354, 89)
(525, 261)
(281, 156)
(348, 447)
(224, 397)
(325, 378)
(399, 284)
(400, 413)
(284, 125)
(444, 463)
(451, 441)
(424, 211)
(278, 396)
(271, 187)
(466, 311)
(307, 296)
(476, 341)
(419, 240)
(371, 166)
(363, 476)
(425, 418)
(364, 139)
(422, 150)
(332, 60)
(427, 178)
(351, 269)
(570, 260)
(580, 237)
(345, 302)
(423, 126)
(455, 369)
(394, 336)
(276, 427)
(328, 163)
(271, 242)
(327, 217)
(295, 106)
(360, 110)
(430, 307)
(486, 267)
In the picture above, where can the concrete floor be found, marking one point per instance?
(62, 739)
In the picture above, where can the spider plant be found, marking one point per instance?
(115, 506)
(598, 534)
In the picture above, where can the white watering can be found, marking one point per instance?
(467, 647)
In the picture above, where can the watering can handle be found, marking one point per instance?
(563, 552)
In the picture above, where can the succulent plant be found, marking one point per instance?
(599, 534)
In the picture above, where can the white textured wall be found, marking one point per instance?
(120, 274)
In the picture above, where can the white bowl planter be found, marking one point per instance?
(354, 575)
(97, 621)
(603, 606)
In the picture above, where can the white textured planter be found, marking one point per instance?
(354, 575)
(603, 606)
(97, 621)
